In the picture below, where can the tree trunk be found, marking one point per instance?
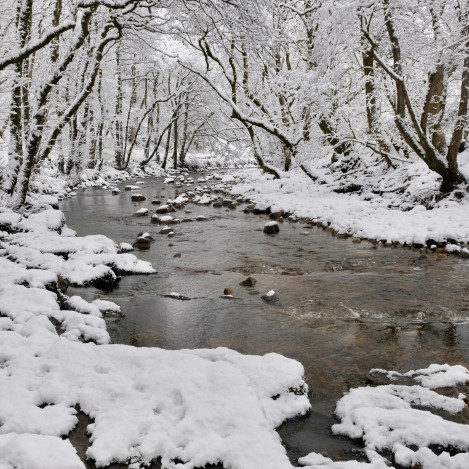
(166, 150)
(16, 119)
(175, 144)
(119, 143)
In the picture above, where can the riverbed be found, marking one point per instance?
(343, 307)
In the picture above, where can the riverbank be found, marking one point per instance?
(388, 218)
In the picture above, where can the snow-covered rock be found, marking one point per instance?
(271, 227)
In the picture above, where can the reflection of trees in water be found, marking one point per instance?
(442, 342)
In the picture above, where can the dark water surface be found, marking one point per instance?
(343, 307)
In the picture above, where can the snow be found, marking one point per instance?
(435, 376)
(126, 247)
(384, 417)
(373, 218)
(79, 260)
(33, 451)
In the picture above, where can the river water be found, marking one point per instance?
(343, 307)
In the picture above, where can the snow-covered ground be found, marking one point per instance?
(383, 215)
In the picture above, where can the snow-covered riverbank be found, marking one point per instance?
(388, 217)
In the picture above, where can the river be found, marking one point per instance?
(343, 307)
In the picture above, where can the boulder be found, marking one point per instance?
(278, 214)
(162, 209)
(125, 247)
(116, 191)
(141, 213)
(171, 234)
(146, 235)
(156, 202)
(201, 218)
(228, 291)
(227, 202)
(248, 282)
(166, 220)
(217, 204)
(137, 198)
(271, 227)
(259, 210)
(142, 243)
(178, 254)
(166, 230)
(270, 297)
(155, 218)
(62, 284)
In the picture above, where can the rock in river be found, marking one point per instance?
(141, 213)
(137, 198)
(162, 209)
(271, 227)
(248, 282)
(228, 291)
(270, 297)
(166, 220)
(142, 243)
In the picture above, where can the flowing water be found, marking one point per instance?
(343, 307)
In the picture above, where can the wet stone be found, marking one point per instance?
(248, 282)
(270, 297)
(142, 244)
(166, 220)
(141, 213)
(448, 391)
(228, 291)
(271, 227)
(162, 209)
(146, 236)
